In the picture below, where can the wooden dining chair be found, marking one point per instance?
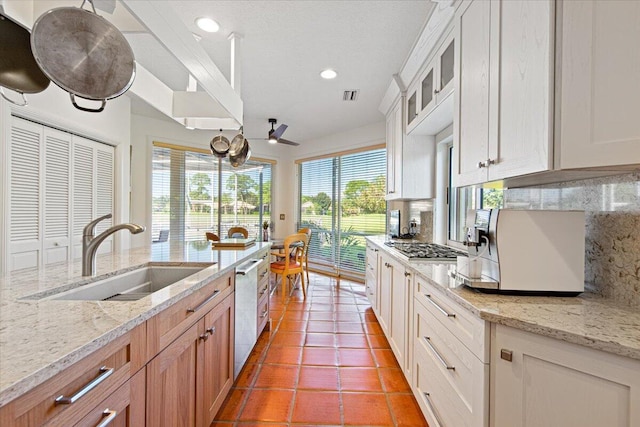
(212, 236)
(305, 256)
(290, 266)
(237, 231)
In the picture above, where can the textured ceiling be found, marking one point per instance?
(285, 46)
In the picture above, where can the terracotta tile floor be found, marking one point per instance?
(324, 362)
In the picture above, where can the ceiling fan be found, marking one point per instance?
(275, 135)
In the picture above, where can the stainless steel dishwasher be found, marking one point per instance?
(246, 325)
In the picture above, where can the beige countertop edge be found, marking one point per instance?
(46, 371)
(623, 345)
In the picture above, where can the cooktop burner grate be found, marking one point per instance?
(415, 250)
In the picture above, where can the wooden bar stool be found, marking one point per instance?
(291, 265)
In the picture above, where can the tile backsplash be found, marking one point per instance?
(612, 208)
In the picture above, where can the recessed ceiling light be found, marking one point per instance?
(207, 24)
(328, 74)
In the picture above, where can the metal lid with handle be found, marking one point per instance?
(83, 53)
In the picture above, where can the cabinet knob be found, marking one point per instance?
(212, 330)
(204, 336)
(407, 274)
(506, 355)
(482, 165)
(491, 162)
(436, 91)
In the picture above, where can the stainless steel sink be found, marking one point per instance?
(132, 285)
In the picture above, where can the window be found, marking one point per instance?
(465, 199)
(190, 195)
(342, 200)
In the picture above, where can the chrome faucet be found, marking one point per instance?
(90, 241)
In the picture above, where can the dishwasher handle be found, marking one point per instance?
(245, 268)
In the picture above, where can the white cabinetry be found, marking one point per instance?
(450, 358)
(504, 103)
(394, 304)
(410, 160)
(548, 382)
(598, 91)
(58, 182)
(429, 103)
(371, 277)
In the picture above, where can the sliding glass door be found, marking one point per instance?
(192, 190)
(342, 200)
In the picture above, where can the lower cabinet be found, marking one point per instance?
(394, 307)
(189, 379)
(541, 381)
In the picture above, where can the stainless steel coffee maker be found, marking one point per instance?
(525, 251)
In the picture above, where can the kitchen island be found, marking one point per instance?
(41, 337)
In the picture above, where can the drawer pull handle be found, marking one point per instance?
(438, 355)
(506, 355)
(262, 292)
(427, 397)
(264, 273)
(264, 313)
(110, 416)
(436, 305)
(205, 302)
(104, 374)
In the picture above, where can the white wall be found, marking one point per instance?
(53, 107)
(145, 130)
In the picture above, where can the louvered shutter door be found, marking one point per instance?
(104, 192)
(57, 236)
(25, 209)
(83, 190)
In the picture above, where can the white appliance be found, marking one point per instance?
(537, 252)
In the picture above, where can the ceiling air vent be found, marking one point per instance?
(350, 95)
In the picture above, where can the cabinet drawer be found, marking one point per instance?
(469, 329)
(126, 406)
(439, 401)
(263, 312)
(82, 386)
(169, 324)
(263, 272)
(453, 361)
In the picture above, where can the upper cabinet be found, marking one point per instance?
(410, 160)
(598, 94)
(528, 102)
(504, 98)
(429, 104)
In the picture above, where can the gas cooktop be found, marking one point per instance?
(425, 251)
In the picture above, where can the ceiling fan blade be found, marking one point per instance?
(286, 141)
(278, 132)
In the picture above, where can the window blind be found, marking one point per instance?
(342, 200)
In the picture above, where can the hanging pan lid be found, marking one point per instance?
(83, 53)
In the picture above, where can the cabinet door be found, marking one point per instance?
(549, 382)
(171, 382)
(386, 279)
(399, 313)
(428, 91)
(412, 106)
(394, 152)
(521, 81)
(215, 361)
(599, 91)
(446, 61)
(471, 111)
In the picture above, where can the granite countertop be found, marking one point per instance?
(41, 337)
(587, 319)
